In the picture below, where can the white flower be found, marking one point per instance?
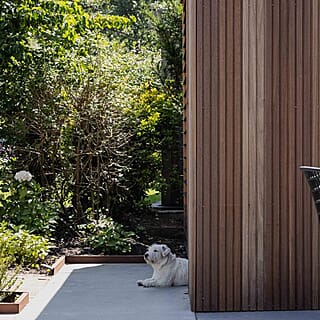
(23, 176)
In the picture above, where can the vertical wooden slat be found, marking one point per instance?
(260, 160)
(315, 144)
(191, 88)
(315, 81)
(245, 157)
(292, 167)
(229, 134)
(206, 164)
(252, 164)
(284, 289)
(199, 156)
(237, 125)
(276, 153)
(299, 137)
(307, 125)
(268, 203)
(222, 158)
(214, 227)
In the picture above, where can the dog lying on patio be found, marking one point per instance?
(167, 269)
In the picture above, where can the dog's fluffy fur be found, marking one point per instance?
(167, 269)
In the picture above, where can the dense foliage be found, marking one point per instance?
(91, 106)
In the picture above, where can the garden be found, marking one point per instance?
(90, 126)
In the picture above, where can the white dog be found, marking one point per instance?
(167, 269)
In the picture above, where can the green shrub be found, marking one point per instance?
(23, 202)
(23, 247)
(104, 235)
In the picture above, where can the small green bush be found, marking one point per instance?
(24, 248)
(9, 281)
(104, 235)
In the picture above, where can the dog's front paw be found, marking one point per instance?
(140, 282)
(147, 283)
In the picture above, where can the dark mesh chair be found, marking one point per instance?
(313, 177)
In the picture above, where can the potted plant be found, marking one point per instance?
(11, 300)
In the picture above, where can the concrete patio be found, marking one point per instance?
(109, 291)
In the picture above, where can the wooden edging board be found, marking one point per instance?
(73, 259)
(58, 265)
(104, 259)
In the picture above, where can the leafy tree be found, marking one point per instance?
(157, 26)
(32, 31)
(91, 98)
(165, 17)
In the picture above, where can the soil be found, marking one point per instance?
(10, 298)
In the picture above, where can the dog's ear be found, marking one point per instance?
(165, 250)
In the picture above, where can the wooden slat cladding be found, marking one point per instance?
(290, 228)
(252, 118)
(214, 137)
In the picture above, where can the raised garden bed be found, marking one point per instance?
(14, 302)
(55, 267)
(104, 259)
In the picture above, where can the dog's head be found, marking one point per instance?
(157, 253)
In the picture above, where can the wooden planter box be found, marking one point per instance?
(17, 306)
(57, 265)
(104, 259)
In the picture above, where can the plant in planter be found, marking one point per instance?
(9, 280)
(11, 300)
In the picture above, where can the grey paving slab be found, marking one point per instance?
(109, 291)
(33, 283)
(267, 315)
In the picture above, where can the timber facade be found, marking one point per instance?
(251, 119)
